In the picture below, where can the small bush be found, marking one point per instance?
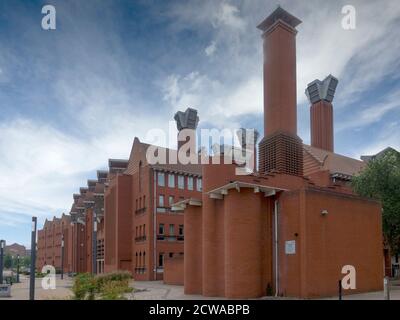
(110, 286)
(114, 290)
(84, 287)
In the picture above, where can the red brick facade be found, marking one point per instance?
(287, 230)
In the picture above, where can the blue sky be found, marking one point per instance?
(73, 97)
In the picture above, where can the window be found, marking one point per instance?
(181, 182)
(161, 228)
(199, 184)
(144, 230)
(144, 201)
(171, 200)
(161, 179)
(190, 183)
(171, 229)
(181, 229)
(161, 200)
(171, 180)
(161, 260)
(171, 254)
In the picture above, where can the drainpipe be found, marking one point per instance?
(155, 223)
(276, 248)
(94, 243)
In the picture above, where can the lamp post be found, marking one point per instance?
(33, 260)
(17, 268)
(2, 245)
(62, 256)
(94, 243)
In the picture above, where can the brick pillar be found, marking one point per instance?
(321, 94)
(281, 148)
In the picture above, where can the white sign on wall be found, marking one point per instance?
(290, 247)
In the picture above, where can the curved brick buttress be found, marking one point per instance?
(193, 250)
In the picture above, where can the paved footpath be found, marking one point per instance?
(157, 290)
(154, 290)
(20, 291)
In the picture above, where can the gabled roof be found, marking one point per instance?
(138, 154)
(333, 162)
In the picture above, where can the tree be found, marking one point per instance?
(7, 261)
(381, 180)
(26, 261)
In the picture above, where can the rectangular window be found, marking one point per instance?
(161, 179)
(171, 254)
(161, 228)
(161, 201)
(190, 183)
(171, 180)
(181, 182)
(181, 229)
(171, 200)
(161, 260)
(171, 229)
(199, 184)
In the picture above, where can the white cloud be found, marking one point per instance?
(370, 114)
(228, 15)
(210, 50)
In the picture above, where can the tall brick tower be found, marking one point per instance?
(321, 94)
(281, 149)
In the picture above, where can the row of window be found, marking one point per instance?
(140, 261)
(181, 181)
(161, 229)
(141, 203)
(171, 200)
(140, 234)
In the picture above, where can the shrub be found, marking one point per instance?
(110, 286)
(114, 290)
(84, 287)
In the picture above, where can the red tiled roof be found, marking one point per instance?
(334, 162)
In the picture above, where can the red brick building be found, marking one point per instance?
(16, 249)
(290, 228)
(287, 229)
(49, 242)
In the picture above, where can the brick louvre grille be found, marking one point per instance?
(281, 152)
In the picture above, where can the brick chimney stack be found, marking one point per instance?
(321, 94)
(281, 150)
(187, 120)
